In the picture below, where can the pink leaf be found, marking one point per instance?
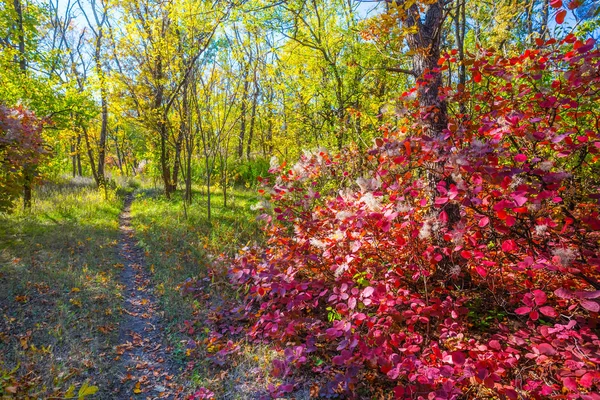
(368, 291)
(549, 311)
(483, 222)
(570, 383)
(540, 297)
(563, 293)
(587, 380)
(520, 158)
(547, 349)
(590, 305)
(522, 310)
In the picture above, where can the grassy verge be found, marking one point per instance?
(59, 292)
(182, 244)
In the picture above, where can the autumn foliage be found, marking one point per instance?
(351, 284)
(21, 146)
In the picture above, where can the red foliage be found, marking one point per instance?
(349, 280)
(20, 147)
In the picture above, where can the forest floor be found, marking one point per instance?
(91, 299)
(143, 352)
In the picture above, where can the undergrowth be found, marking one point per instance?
(59, 292)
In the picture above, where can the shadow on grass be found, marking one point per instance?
(60, 298)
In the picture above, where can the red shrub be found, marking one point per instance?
(350, 282)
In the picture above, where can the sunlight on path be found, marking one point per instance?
(145, 368)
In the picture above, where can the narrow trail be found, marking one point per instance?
(145, 371)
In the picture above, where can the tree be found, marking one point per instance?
(21, 147)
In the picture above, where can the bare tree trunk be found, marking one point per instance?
(27, 169)
(182, 134)
(252, 120)
(119, 153)
(544, 25)
(425, 45)
(244, 106)
(73, 159)
(78, 149)
(90, 153)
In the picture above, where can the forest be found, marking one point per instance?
(295, 199)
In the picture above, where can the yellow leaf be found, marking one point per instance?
(137, 388)
(86, 390)
(75, 290)
(70, 393)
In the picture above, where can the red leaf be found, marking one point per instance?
(481, 271)
(560, 16)
(520, 158)
(540, 297)
(549, 311)
(556, 3)
(546, 349)
(509, 245)
(534, 315)
(477, 76)
(570, 383)
(466, 254)
(407, 148)
(458, 357)
(587, 380)
(522, 310)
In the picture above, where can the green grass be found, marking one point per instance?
(182, 244)
(178, 240)
(59, 292)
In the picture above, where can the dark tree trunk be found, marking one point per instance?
(119, 153)
(244, 106)
(544, 25)
(90, 153)
(104, 107)
(27, 169)
(78, 149)
(73, 158)
(252, 121)
(183, 133)
(425, 45)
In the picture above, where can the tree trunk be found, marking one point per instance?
(27, 169)
(244, 105)
(79, 169)
(182, 134)
(73, 158)
(104, 106)
(119, 154)
(544, 25)
(425, 45)
(252, 120)
(90, 153)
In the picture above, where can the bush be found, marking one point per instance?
(20, 149)
(378, 285)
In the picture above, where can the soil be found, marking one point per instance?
(145, 369)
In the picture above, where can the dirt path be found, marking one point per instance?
(145, 371)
